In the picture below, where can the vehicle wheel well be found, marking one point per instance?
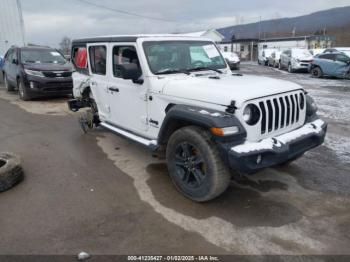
(168, 107)
(172, 127)
(86, 92)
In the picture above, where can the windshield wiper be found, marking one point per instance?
(200, 68)
(171, 71)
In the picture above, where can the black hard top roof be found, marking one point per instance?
(105, 39)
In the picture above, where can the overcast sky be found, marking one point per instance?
(47, 21)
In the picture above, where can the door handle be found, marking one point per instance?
(113, 89)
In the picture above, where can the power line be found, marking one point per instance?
(126, 12)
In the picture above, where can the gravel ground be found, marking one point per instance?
(105, 195)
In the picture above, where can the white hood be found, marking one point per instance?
(229, 87)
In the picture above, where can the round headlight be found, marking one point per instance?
(251, 114)
(301, 101)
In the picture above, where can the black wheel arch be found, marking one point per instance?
(178, 116)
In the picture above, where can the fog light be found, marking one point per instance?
(258, 159)
(32, 85)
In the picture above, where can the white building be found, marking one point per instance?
(212, 34)
(11, 25)
(307, 42)
(248, 48)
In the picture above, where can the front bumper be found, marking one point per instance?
(252, 156)
(302, 66)
(45, 86)
(233, 65)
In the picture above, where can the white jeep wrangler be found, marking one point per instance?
(177, 96)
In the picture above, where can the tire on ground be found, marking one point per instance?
(216, 175)
(317, 72)
(22, 91)
(11, 172)
(8, 86)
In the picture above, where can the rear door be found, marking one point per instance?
(99, 79)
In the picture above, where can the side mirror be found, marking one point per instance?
(15, 61)
(130, 72)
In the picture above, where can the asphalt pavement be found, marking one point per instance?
(105, 195)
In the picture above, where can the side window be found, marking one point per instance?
(124, 57)
(98, 59)
(79, 59)
(8, 56)
(242, 48)
(342, 58)
(327, 57)
(14, 55)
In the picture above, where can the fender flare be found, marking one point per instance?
(182, 115)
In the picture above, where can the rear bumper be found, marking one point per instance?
(250, 157)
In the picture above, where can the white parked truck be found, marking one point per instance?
(177, 96)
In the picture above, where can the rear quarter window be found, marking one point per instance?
(79, 59)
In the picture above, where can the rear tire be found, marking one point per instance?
(22, 91)
(8, 86)
(195, 166)
(317, 72)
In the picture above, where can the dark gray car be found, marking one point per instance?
(37, 72)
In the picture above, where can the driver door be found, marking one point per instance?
(128, 100)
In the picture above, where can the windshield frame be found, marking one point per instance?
(64, 61)
(205, 42)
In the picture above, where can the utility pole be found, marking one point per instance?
(259, 27)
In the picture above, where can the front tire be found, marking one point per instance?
(280, 66)
(22, 91)
(195, 166)
(290, 68)
(317, 72)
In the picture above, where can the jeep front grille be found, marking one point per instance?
(280, 112)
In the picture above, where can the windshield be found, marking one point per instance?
(42, 56)
(182, 56)
(301, 52)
